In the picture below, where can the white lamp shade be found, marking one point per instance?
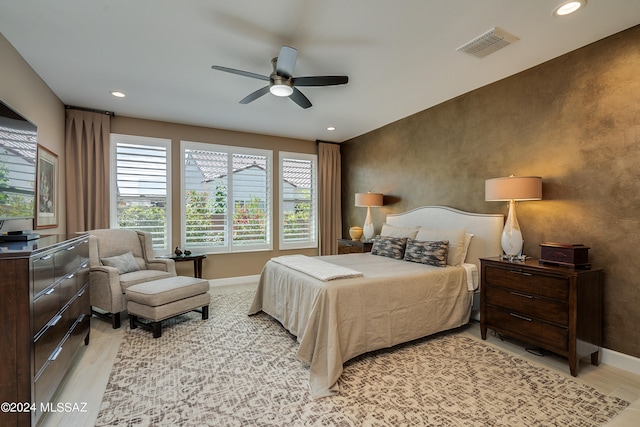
(368, 199)
(513, 188)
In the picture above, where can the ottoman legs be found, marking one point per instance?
(156, 326)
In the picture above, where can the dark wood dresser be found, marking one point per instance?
(556, 308)
(348, 246)
(45, 317)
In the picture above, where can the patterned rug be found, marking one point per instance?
(236, 370)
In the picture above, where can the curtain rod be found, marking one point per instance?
(91, 110)
(318, 141)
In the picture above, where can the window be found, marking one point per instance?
(298, 201)
(226, 194)
(140, 174)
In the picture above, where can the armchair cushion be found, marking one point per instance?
(141, 276)
(125, 263)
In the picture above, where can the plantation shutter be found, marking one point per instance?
(141, 190)
(298, 192)
(227, 194)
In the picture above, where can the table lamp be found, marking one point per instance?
(511, 189)
(368, 200)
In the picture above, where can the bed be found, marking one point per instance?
(375, 301)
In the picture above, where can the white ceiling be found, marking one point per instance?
(400, 55)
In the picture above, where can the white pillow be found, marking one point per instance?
(456, 238)
(467, 242)
(399, 232)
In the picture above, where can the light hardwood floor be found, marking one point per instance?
(87, 381)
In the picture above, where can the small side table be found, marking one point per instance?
(348, 246)
(196, 258)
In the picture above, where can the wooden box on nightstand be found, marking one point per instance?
(556, 308)
(348, 246)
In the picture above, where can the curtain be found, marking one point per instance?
(329, 195)
(87, 170)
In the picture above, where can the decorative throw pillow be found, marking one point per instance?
(395, 231)
(456, 240)
(430, 253)
(392, 247)
(125, 263)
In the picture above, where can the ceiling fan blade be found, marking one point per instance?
(240, 72)
(320, 81)
(300, 99)
(286, 61)
(255, 95)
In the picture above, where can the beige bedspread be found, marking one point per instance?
(395, 302)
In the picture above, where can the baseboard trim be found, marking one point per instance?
(621, 361)
(228, 281)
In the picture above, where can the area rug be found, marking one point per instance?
(239, 370)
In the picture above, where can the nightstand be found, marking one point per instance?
(348, 246)
(556, 308)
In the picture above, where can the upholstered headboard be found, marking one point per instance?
(486, 228)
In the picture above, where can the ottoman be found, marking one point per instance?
(161, 299)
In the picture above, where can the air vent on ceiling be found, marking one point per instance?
(489, 42)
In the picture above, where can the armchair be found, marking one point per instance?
(118, 259)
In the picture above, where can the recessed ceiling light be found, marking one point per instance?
(569, 7)
(118, 94)
(331, 128)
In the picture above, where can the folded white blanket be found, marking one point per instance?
(316, 268)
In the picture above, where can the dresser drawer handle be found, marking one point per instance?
(44, 258)
(518, 294)
(50, 291)
(522, 273)
(55, 320)
(70, 248)
(521, 317)
(55, 354)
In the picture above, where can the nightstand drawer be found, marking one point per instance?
(346, 246)
(519, 279)
(528, 328)
(529, 305)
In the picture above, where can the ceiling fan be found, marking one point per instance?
(281, 81)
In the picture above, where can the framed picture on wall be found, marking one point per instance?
(46, 189)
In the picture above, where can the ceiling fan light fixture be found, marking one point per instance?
(280, 85)
(281, 90)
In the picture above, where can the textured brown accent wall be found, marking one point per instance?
(574, 120)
